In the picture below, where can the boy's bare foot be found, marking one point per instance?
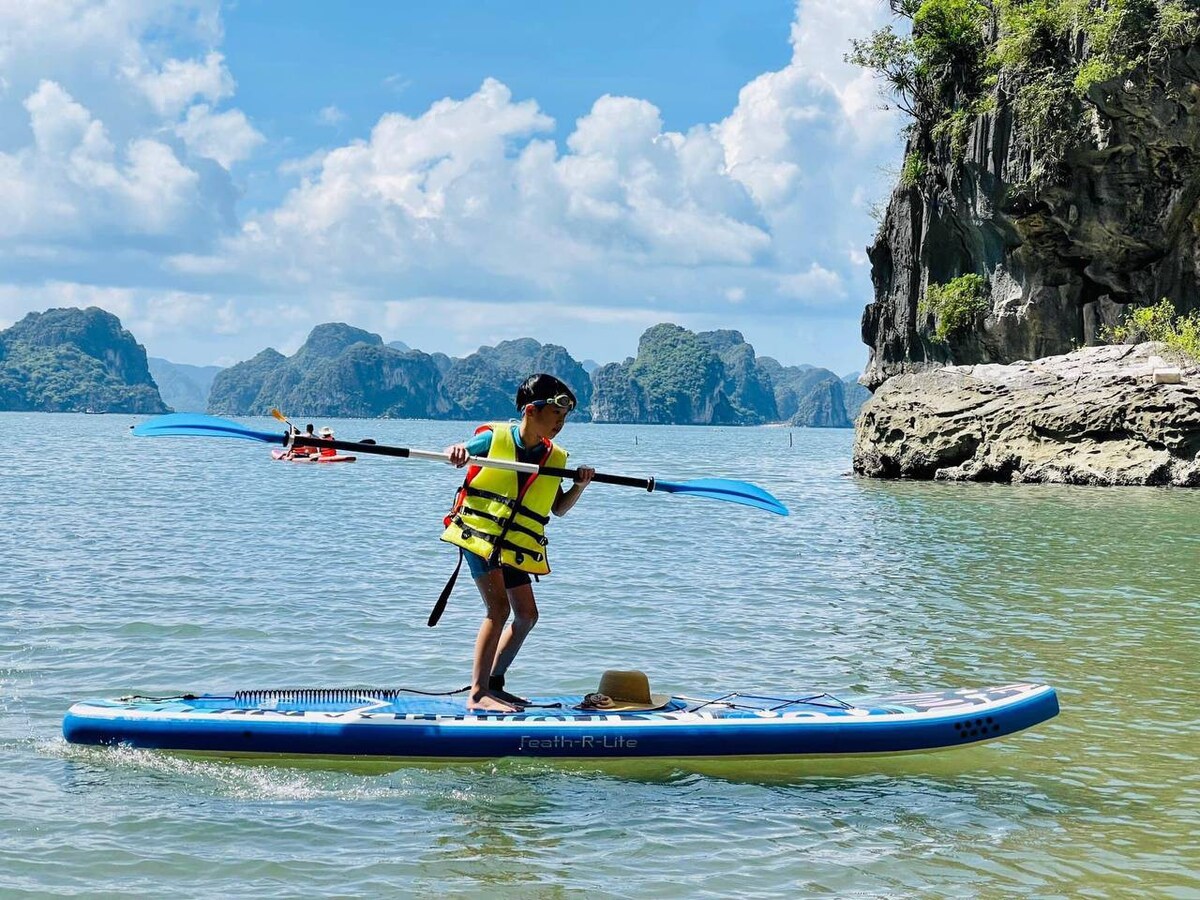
(488, 703)
(496, 689)
(501, 694)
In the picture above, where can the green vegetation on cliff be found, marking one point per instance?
(1160, 323)
(678, 378)
(956, 304)
(345, 371)
(339, 371)
(484, 384)
(683, 378)
(75, 360)
(82, 359)
(1047, 56)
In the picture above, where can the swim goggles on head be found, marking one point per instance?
(562, 401)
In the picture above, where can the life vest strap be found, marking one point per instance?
(440, 606)
(488, 495)
(540, 538)
(509, 522)
(528, 513)
(471, 511)
(491, 540)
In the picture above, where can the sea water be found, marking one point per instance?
(155, 566)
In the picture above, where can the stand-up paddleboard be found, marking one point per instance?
(282, 454)
(394, 723)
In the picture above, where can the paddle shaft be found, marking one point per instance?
(646, 484)
(197, 425)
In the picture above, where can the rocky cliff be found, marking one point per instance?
(682, 378)
(1094, 416)
(338, 371)
(184, 388)
(75, 360)
(1050, 178)
(484, 384)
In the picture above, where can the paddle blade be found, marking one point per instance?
(725, 489)
(196, 425)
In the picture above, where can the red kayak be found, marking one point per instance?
(283, 454)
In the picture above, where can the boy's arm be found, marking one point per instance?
(566, 499)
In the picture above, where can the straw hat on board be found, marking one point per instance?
(621, 691)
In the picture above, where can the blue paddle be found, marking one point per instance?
(196, 425)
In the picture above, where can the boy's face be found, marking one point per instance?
(547, 420)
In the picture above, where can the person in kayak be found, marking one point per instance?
(327, 433)
(302, 452)
(498, 521)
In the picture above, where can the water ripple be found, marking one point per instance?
(159, 566)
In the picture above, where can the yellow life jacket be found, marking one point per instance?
(498, 510)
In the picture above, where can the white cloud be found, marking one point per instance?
(103, 87)
(816, 283)
(397, 83)
(226, 137)
(73, 182)
(331, 115)
(16, 300)
(173, 87)
(620, 224)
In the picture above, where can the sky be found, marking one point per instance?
(226, 176)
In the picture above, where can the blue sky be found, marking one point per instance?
(226, 176)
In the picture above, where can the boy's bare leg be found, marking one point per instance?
(525, 616)
(491, 589)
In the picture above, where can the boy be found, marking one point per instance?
(498, 520)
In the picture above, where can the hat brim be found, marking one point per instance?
(657, 701)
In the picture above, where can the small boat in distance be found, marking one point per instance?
(284, 455)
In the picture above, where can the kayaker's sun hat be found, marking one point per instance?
(326, 431)
(622, 692)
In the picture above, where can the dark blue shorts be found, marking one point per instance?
(513, 578)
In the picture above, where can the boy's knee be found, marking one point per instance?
(498, 611)
(525, 621)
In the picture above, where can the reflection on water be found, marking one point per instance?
(159, 566)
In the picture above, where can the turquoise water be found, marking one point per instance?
(160, 565)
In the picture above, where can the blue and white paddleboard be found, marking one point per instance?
(379, 723)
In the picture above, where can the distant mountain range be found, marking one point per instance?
(71, 359)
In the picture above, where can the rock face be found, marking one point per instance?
(484, 384)
(339, 371)
(1094, 416)
(1119, 223)
(683, 378)
(345, 371)
(184, 388)
(75, 360)
(856, 395)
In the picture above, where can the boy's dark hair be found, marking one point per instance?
(541, 387)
